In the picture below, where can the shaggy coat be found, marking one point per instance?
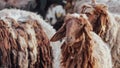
(106, 25)
(24, 44)
(81, 48)
(4, 46)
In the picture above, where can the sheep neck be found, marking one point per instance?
(79, 55)
(101, 26)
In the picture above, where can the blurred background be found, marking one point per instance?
(54, 11)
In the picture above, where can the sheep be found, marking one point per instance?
(23, 40)
(113, 5)
(55, 15)
(106, 25)
(82, 47)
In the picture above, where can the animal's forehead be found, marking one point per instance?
(84, 16)
(86, 8)
(77, 16)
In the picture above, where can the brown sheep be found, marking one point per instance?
(106, 26)
(81, 48)
(23, 42)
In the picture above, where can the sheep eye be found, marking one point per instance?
(51, 19)
(80, 24)
(88, 14)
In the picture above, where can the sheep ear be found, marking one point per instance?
(103, 23)
(59, 34)
(88, 25)
(87, 33)
(87, 29)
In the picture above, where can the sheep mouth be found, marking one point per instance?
(69, 42)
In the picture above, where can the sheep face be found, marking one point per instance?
(73, 27)
(98, 17)
(55, 13)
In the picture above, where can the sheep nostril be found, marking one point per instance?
(51, 19)
(69, 39)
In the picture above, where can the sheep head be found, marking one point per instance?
(98, 17)
(55, 13)
(73, 28)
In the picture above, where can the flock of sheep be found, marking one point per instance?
(83, 34)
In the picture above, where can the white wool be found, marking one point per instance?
(13, 33)
(101, 52)
(55, 45)
(32, 43)
(113, 35)
(76, 15)
(22, 62)
(23, 53)
(20, 15)
(11, 30)
(112, 30)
